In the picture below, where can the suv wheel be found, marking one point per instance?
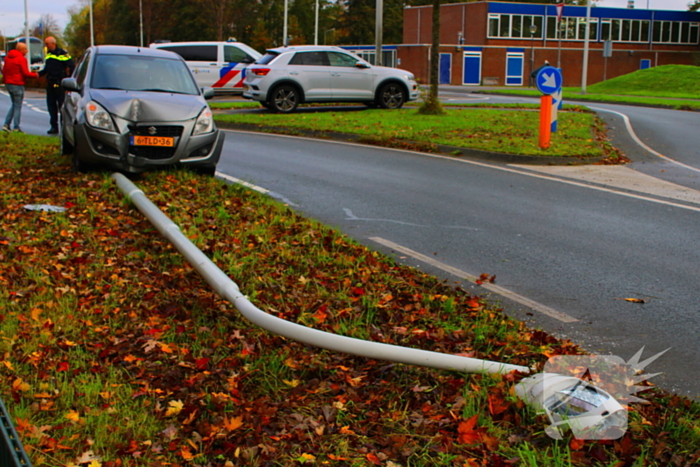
(284, 99)
(391, 96)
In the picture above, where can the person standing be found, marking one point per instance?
(15, 71)
(58, 65)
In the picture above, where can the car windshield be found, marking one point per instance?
(142, 73)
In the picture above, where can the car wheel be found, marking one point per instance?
(284, 99)
(77, 165)
(392, 96)
(66, 147)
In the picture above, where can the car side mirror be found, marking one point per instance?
(70, 84)
(207, 92)
(248, 59)
(361, 65)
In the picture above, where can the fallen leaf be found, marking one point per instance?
(233, 423)
(175, 407)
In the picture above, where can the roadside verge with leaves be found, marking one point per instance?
(115, 353)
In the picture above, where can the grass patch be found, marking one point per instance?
(672, 81)
(115, 351)
(670, 86)
(510, 132)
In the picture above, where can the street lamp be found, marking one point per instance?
(533, 30)
(325, 40)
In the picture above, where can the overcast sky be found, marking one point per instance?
(12, 11)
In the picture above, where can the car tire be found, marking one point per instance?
(391, 96)
(66, 147)
(285, 99)
(77, 165)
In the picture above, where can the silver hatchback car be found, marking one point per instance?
(288, 76)
(134, 109)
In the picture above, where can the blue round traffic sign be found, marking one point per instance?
(548, 80)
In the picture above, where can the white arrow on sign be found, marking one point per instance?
(549, 81)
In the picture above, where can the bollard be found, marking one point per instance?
(545, 121)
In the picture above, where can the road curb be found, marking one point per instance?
(415, 146)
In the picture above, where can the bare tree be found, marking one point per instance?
(45, 26)
(431, 105)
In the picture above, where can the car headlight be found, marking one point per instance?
(98, 117)
(204, 123)
(410, 77)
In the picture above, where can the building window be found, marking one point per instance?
(572, 29)
(514, 26)
(675, 32)
(625, 30)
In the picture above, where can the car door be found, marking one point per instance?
(232, 71)
(202, 59)
(69, 111)
(351, 78)
(311, 70)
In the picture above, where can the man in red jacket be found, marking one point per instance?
(14, 73)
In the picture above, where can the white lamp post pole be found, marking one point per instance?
(316, 26)
(284, 29)
(141, 20)
(584, 74)
(92, 28)
(379, 32)
(26, 31)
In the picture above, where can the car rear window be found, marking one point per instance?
(142, 73)
(267, 58)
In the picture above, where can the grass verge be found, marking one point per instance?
(509, 132)
(574, 94)
(116, 354)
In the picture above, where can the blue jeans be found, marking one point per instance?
(17, 95)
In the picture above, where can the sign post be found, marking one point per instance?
(548, 81)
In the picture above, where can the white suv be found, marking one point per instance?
(287, 76)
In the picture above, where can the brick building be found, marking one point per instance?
(498, 43)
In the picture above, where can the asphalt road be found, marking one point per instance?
(575, 247)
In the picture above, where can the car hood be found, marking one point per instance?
(387, 70)
(141, 106)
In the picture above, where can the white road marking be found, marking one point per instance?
(493, 167)
(244, 183)
(552, 313)
(27, 104)
(634, 136)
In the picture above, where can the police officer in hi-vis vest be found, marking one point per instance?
(58, 65)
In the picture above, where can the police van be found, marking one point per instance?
(219, 65)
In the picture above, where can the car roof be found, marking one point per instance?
(132, 50)
(248, 49)
(306, 48)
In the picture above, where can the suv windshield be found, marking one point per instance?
(140, 73)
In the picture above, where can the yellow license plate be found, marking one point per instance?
(164, 141)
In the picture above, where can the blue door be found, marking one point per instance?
(514, 69)
(472, 69)
(445, 69)
(644, 64)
